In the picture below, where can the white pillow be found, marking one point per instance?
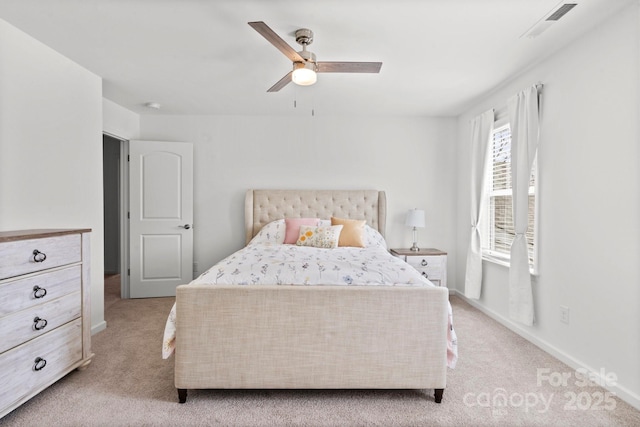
(372, 237)
(319, 237)
(272, 233)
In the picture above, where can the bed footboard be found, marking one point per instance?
(312, 337)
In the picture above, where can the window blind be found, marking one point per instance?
(500, 229)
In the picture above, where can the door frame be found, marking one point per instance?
(124, 217)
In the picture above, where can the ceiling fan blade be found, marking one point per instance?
(281, 83)
(276, 40)
(349, 67)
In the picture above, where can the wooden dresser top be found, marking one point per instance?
(10, 236)
(421, 252)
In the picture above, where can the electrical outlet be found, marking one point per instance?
(564, 314)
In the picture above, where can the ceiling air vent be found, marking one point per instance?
(545, 22)
(561, 11)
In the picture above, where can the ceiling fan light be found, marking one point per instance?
(304, 74)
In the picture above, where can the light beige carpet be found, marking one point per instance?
(495, 383)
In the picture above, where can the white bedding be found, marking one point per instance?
(265, 260)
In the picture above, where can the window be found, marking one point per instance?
(497, 222)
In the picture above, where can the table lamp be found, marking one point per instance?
(415, 219)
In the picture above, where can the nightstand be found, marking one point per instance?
(431, 263)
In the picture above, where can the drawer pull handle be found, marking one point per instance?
(424, 263)
(39, 256)
(40, 363)
(424, 273)
(39, 324)
(39, 292)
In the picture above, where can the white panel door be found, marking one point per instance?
(161, 217)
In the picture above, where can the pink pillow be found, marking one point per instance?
(293, 228)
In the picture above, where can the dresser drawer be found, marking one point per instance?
(431, 273)
(421, 262)
(20, 293)
(19, 379)
(27, 256)
(22, 326)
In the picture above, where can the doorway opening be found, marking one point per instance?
(111, 183)
(115, 207)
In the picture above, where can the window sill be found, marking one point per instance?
(494, 260)
(504, 262)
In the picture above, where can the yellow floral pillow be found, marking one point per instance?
(319, 237)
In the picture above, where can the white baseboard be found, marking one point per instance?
(99, 327)
(620, 391)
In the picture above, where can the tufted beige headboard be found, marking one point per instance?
(264, 206)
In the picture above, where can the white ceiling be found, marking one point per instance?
(201, 57)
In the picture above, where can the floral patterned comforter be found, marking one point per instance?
(259, 264)
(267, 263)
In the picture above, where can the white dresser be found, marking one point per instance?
(45, 314)
(431, 263)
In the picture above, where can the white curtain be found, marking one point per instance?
(524, 120)
(481, 129)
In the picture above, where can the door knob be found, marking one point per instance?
(186, 226)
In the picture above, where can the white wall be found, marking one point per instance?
(50, 146)
(409, 158)
(589, 203)
(118, 121)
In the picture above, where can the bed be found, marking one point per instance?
(272, 327)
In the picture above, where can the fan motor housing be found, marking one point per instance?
(304, 36)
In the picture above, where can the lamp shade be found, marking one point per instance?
(415, 218)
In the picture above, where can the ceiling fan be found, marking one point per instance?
(305, 65)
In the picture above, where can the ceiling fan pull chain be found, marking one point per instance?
(295, 97)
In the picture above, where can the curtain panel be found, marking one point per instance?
(524, 113)
(481, 130)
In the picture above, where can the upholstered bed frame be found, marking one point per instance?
(263, 206)
(311, 337)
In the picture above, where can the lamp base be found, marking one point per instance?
(415, 247)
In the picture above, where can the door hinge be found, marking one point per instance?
(128, 215)
(128, 158)
(128, 272)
